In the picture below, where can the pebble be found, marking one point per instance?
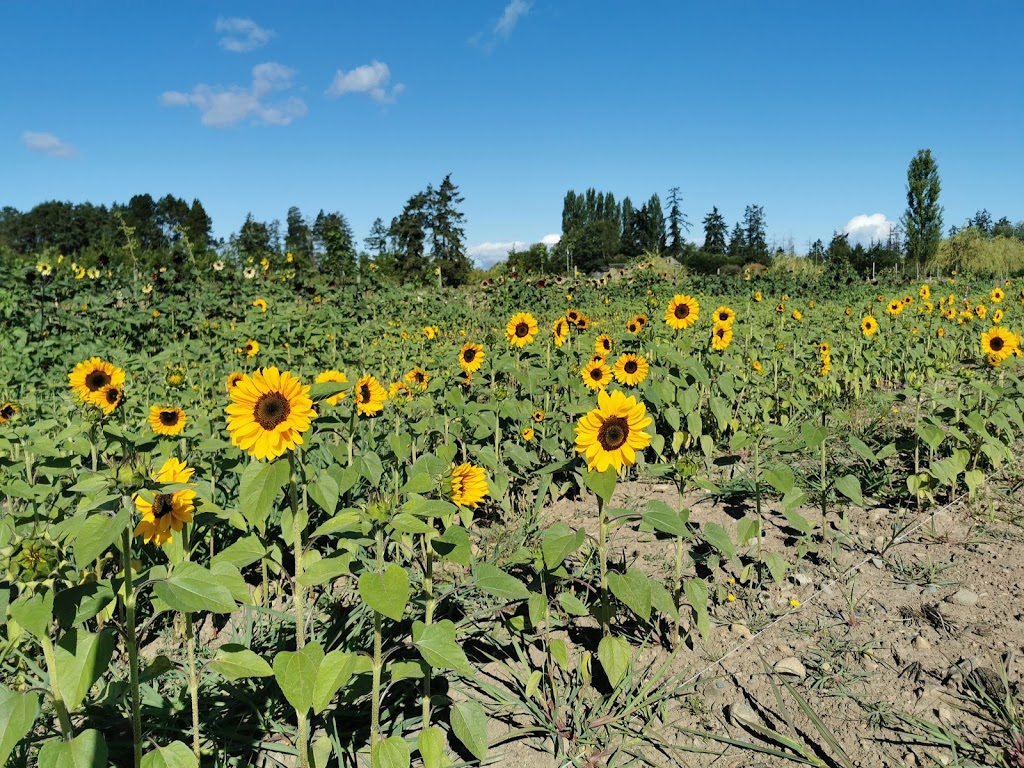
(742, 713)
(912, 588)
(801, 579)
(910, 759)
(963, 597)
(931, 589)
(920, 643)
(791, 666)
(946, 716)
(739, 630)
(878, 562)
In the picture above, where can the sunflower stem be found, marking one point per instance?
(378, 662)
(133, 650)
(428, 619)
(66, 729)
(298, 595)
(602, 547)
(190, 653)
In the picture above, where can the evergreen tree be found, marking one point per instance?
(631, 239)
(715, 232)
(253, 240)
(377, 241)
(448, 249)
(922, 221)
(335, 245)
(754, 233)
(737, 248)
(408, 236)
(654, 226)
(199, 226)
(298, 238)
(677, 222)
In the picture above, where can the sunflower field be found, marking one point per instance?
(247, 522)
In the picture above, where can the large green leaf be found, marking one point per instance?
(296, 673)
(18, 712)
(34, 613)
(392, 752)
(849, 486)
(246, 551)
(633, 589)
(174, 755)
(469, 724)
(387, 593)
(191, 589)
(431, 746)
(663, 519)
(437, 644)
(86, 750)
(236, 662)
(82, 657)
(558, 542)
(335, 671)
(97, 534)
(261, 483)
(496, 582)
(614, 654)
(601, 483)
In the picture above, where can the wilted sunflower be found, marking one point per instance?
(166, 420)
(332, 377)
(417, 377)
(528, 434)
(721, 337)
(167, 512)
(268, 413)
(560, 330)
(399, 388)
(369, 395)
(723, 315)
(521, 329)
(997, 295)
(631, 369)
(260, 304)
(233, 378)
(8, 411)
(869, 326)
(468, 485)
(596, 375)
(999, 342)
(471, 357)
(251, 348)
(682, 312)
(538, 416)
(611, 434)
(108, 398)
(603, 345)
(91, 376)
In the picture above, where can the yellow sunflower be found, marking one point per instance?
(369, 395)
(981, 310)
(560, 330)
(572, 315)
(538, 416)
(399, 388)
(528, 434)
(603, 345)
(251, 348)
(260, 304)
(758, 367)
(582, 323)
(596, 375)
(8, 411)
(233, 378)
(758, 296)
(997, 295)
(91, 376)
(894, 308)
(925, 292)
(949, 313)
(999, 342)
(468, 485)
(471, 357)
(721, 337)
(166, 420)
(798, 315)
(824, 348)
(108, 398)
(612, 434)
(724, 315)
(641, 320)
(630, 369)
(417, 377)
(633, 327)
(682, 312)
(332, 377)
(268, 413)
(869, 326)
(167, 512)
(997, 317)
(521, 329)
(780, 307)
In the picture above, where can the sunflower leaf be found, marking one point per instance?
(261, 483)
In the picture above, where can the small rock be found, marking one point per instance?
(912, 588)
(931, 589)
(870, 665)
(791, 666)
(878, 562)
(920, 644)
(879, 542)
(801, 579)
(963, 597)
(910, 759)
(742, 713)
(739, 630)
(946, 716)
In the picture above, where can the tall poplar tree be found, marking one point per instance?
(922, 220)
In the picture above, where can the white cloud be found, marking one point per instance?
(223, 106)
(371, 79)
(551, 240)
(242, 34)
(865, 228)
(486, 255)
(47, 144)
(514, 11)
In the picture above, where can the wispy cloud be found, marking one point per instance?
(47, 144)
(223, 106)
(504, 26)
(867, 228)
(242, 34)
(371, 79)
(486, 255)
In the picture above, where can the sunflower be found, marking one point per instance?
(848, 311)
(538, 416)
(597, 357)
(631, 369)
(233, 378)
(430, 332)
(997, 317)
(611, 434)
(261, 304)
(798, 315)
(332, 377)
(582, 323)
(758, 367)
(521, 329)
(251, 348)
(981, 311)
(824, 348)
(603, 345)
(641, 320)
(633, 327)
(682, 312)
(268, 413)
(471, 357)
(8, 411)
(925, 292)
(167, 512)
(573, 315)
(997, 295)
(721, 337)
(780, 307)
(399, 388)
(560, 330)
(596, 375)
(468, 485)
(949, 313)
(167, 421)
(999, 342)
(528, 434)
(92, 375)
(826, 365)
(758, 296)
(894, 308)
(941, 332)
(147, 288)
(869, 326)
(370, 395)
(108, 398)
(417, 377)
(723, 315)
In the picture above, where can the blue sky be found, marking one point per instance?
(810, 109)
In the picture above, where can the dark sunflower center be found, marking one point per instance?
(469, 355)
(596, 374)
(168, 418)
(113, 395)
(97, 380)
(271, 410)
(720, 333)
(606, 345)
(632, 327)
(723, 316)
(522, 330)
(364, 394)
(996, 343)
(162, 505)
(630, 367)
(613, 433)
(418, 377)
(682, 311)
(7, 411)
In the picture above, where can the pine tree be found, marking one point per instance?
(448, 250)
(377, 241)
(737, 248)
(298, 239)
(408, 235)
(715, 232)
(922, 221)
(754, 233)
(677, 222)
(654, 227)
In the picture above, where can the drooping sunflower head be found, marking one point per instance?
(468, 485)
(369, 395)
(724, 315)
(596, 375)
(167, 421)
(251, 348)
(260, 304)
(721, 337)
(869, 326)
(521, 329)
(603, 345)
(418, 378)
(612, 434)
(538, 416)
(88, 378)
(631, 369)
(471, 357)
(560, 331)
(232, 381)
(682, 312)
(269, 412)
(332, 377)
(8, 411)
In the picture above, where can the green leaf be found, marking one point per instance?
(392, 752)
(663, 519)
(601, 483)
(781, 478)
(327, 569)
(453, 545)
(403, 522)
(697, 595)
(82, 657)
(849, 486)
(973, 478)
(469, 724)
(421, 483)
(747, 529)
(778, 567)
(634, 590)
(324, 491)
(246, 551)
(81, 602)
(174, 755)
(97, 535)
(614, 654)
(86, 750)
(558, 542)
(258, 489)
(191, 589)
(718, 537)
(335, 671)
(371, 468)
(238, 664)
(18, 712)
(387, 593)
(34, 613)
(497, 583)
(438, 647)
(431, 746)
(296, 673)
(662, 601)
